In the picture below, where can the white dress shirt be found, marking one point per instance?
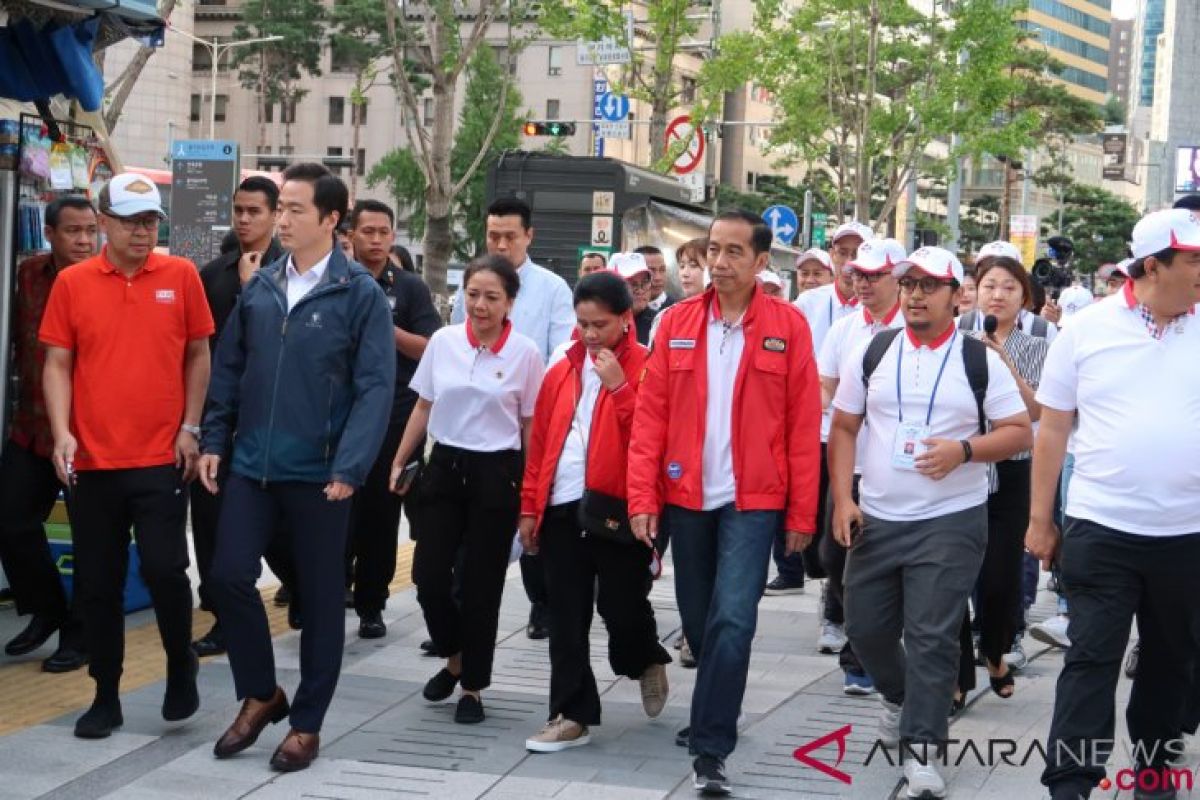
(299, 284)
(544, 309)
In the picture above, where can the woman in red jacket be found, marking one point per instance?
(577, 445)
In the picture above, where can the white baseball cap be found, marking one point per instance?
(1124, 265)
(1074, 299)
(1108, 270)
(877, 255)
(771, 277)
(932, 261)
(1175, 228)
(130, 194)
(815, 254)
(628, 265)
(999, 249)
(863, 232)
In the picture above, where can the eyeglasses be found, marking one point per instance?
(869, 277)
(928, 284)
(639, 286)
(148, 222)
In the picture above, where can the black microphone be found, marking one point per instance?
(990, 323)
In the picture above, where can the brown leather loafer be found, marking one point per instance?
(296, 751)
(254, 716)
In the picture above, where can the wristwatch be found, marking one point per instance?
(968, 453)
(194, 430)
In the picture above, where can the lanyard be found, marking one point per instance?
(936, 383)
(831, 311)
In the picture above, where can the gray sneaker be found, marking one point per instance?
(558, 734)
(889, 723)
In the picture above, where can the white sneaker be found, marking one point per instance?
(832, 638)
(558, 734)
(1052, 631)
(1016, 658)
(889, 723)
(924, 780)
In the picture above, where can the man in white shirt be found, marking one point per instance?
(543, 311)
(875, 286)
(918, 532)
(1126, 369)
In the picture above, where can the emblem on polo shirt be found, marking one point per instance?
(774, 344)
(314, 321)
(164, 296)
(674, 470)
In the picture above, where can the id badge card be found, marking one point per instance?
(907, 445)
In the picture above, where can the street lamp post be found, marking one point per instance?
(217, 49)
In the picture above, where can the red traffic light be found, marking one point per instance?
(554, 128)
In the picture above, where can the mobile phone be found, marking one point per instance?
(1057, 293)
(405, 480)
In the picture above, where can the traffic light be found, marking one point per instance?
(549, 128)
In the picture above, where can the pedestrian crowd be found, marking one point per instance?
(914, 434)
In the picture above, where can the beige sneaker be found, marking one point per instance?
(654, 689)
(558, 734)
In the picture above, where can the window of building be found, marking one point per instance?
(687, 88)
(287, 111)
(427, 112)
(222, 104)
(334, 152)
(360, 162)
(194, 115)
(266, 112)
(341, 59)
(552, 109)
(201, 58)
(358, 113)
(556, 59)
(337, 110)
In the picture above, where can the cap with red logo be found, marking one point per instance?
(877, 255)
(932, 261)
(999, 249)
(1173, 229)
(130, 194)
(863, 232)
(815, 254)
(628, 265)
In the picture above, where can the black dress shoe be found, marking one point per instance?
(469, 711)
(348, 599)
(36, 633)
(99, 721)
(538, 627)
(428, 649)
(440, 686)
(181, 699)
(371, 626)
(295, 622)
(211, 643)
(67, 658)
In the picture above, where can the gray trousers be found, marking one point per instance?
(912, 580)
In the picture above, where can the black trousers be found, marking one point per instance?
(1110, 577)
(250, 515)
(105, 504)
(28, 489)
(206, 512)
(375, 528)
(582, 571)
(469, 501)
(833, 561)
(814, 568)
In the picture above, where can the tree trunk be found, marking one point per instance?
(863, 167)
(128, 78)
(355, 98)
(1006, 198)
(439, 247)
(262, 100)
(661, 107)
(438, 192)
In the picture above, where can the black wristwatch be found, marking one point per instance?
(968, 453)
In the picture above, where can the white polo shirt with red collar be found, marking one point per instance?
(479, 394)
(1136, 393)
(896, 494)
(822, 307)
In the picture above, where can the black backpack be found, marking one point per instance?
(974, 361)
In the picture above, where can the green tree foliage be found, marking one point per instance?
(1099, 223)
(358, 44)
(402, 175)
(274, 69)
(865, 87)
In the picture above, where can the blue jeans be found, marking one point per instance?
(721, 559)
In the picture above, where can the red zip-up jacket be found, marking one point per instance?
(776, 425)
(608, 439)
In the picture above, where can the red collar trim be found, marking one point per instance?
(841, 298)
(1131, 299)
(936, 343)
(887, 319)
(498, 345)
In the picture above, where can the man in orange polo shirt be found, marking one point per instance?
(126, 370)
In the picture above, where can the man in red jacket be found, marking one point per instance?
(726, 443)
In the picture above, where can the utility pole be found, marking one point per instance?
(710, 160)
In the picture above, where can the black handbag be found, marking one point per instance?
(605, 517)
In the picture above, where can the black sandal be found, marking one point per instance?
(957, 705)
(1005, 681)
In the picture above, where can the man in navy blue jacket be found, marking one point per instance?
(302, 385)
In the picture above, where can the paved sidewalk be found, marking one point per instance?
(382, 740)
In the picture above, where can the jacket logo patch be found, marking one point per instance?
(164, 296)
(674, 470)
(314, 321)
(681, 344)
(774, 344)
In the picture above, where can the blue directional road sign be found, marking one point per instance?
(614, 107)
(783, 223)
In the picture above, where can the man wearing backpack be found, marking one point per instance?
(927, 394)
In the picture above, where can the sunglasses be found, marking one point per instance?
(928, 284)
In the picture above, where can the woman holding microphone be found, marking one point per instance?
(572, 511)
(477, 385)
